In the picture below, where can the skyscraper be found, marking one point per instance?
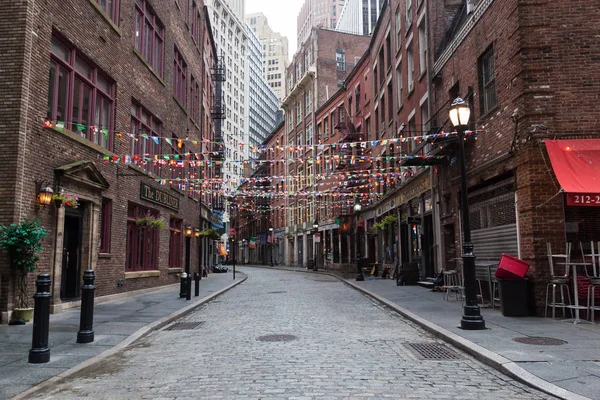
(359, 16)
(317, 13)
(275, 50)
(230, 35)
(262, 104)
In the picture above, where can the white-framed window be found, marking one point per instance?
(398, 30)
(400, 83)
(422, 48)
(340, 60)
(410, 69)
(309, 135)
(308, 101)
(409, 14)
(487, 81)
(298, 112)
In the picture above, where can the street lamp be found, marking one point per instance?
(359, 272)
(272, 244)
(316, 230)
(471, 319)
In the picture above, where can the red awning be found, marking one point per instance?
(576, 164)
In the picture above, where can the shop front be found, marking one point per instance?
(416, 228)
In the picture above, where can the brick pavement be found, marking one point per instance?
(346, 346)
(114, 322)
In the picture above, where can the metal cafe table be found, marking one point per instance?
(576, 305)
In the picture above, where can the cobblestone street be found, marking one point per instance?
(342, 345)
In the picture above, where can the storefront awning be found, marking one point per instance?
(576, 164)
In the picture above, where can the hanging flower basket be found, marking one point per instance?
(211, 234)
(68, 200)
(151, 222)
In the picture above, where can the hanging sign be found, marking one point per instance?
(583, 199)
(154, 195)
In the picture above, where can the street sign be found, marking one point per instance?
(414, 220)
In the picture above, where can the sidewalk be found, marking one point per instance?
(114, 323)
(573, 366)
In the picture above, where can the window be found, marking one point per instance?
(487, 81)
(398, 30)
(325, 128)
(409, 14)
(142, 241)
(110, 8)
(422, 48)
(149, 36)
(357, 99)
(308, 57)
(298, 112)
(175, 243)
(400, 84)
(195, 100)
(340, 60)
(388, 50)
(179, 81)
(390, 100)
(411, 69)
(309, 135)
(308, 101)
(145, 145)
(80, 95)
(196, 23)
(105, 219)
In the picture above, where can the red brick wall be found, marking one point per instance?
(112, 51)
(544, 77)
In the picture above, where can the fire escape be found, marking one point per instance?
(350, 156)
(216, 147)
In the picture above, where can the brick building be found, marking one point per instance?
(525, 82)
(112, 102)
(528, 78)
(316, 72)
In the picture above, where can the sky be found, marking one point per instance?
(281, 15)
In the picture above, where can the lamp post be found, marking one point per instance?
(272, 245)
(316, 230)
(359, 272)
(471, 319)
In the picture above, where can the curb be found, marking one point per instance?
(494, 360)
(140, 333)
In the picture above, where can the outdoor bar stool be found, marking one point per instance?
(453, 284)
(558, 281)
(594, 278)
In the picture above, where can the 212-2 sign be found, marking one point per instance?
(583, 199)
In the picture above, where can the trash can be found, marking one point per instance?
(514, 297)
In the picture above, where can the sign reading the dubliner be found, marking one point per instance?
(159, 197)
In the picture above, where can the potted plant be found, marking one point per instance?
(69, 200)
(22, 244)
(211, 234)
(151, 222)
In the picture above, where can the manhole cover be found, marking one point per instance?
(540, 341)
(277, 292)
(276, 338)
(184, 326)
(432, 351)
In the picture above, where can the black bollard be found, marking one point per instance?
(40, 353)
(197, 287)
(86, 320)
(182, 284)
(188, 288)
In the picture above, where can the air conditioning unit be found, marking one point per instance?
(470, 6)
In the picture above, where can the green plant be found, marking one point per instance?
(211, 234)
(22, 243)
(151, 222)
(383, 224)
(69, 200)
